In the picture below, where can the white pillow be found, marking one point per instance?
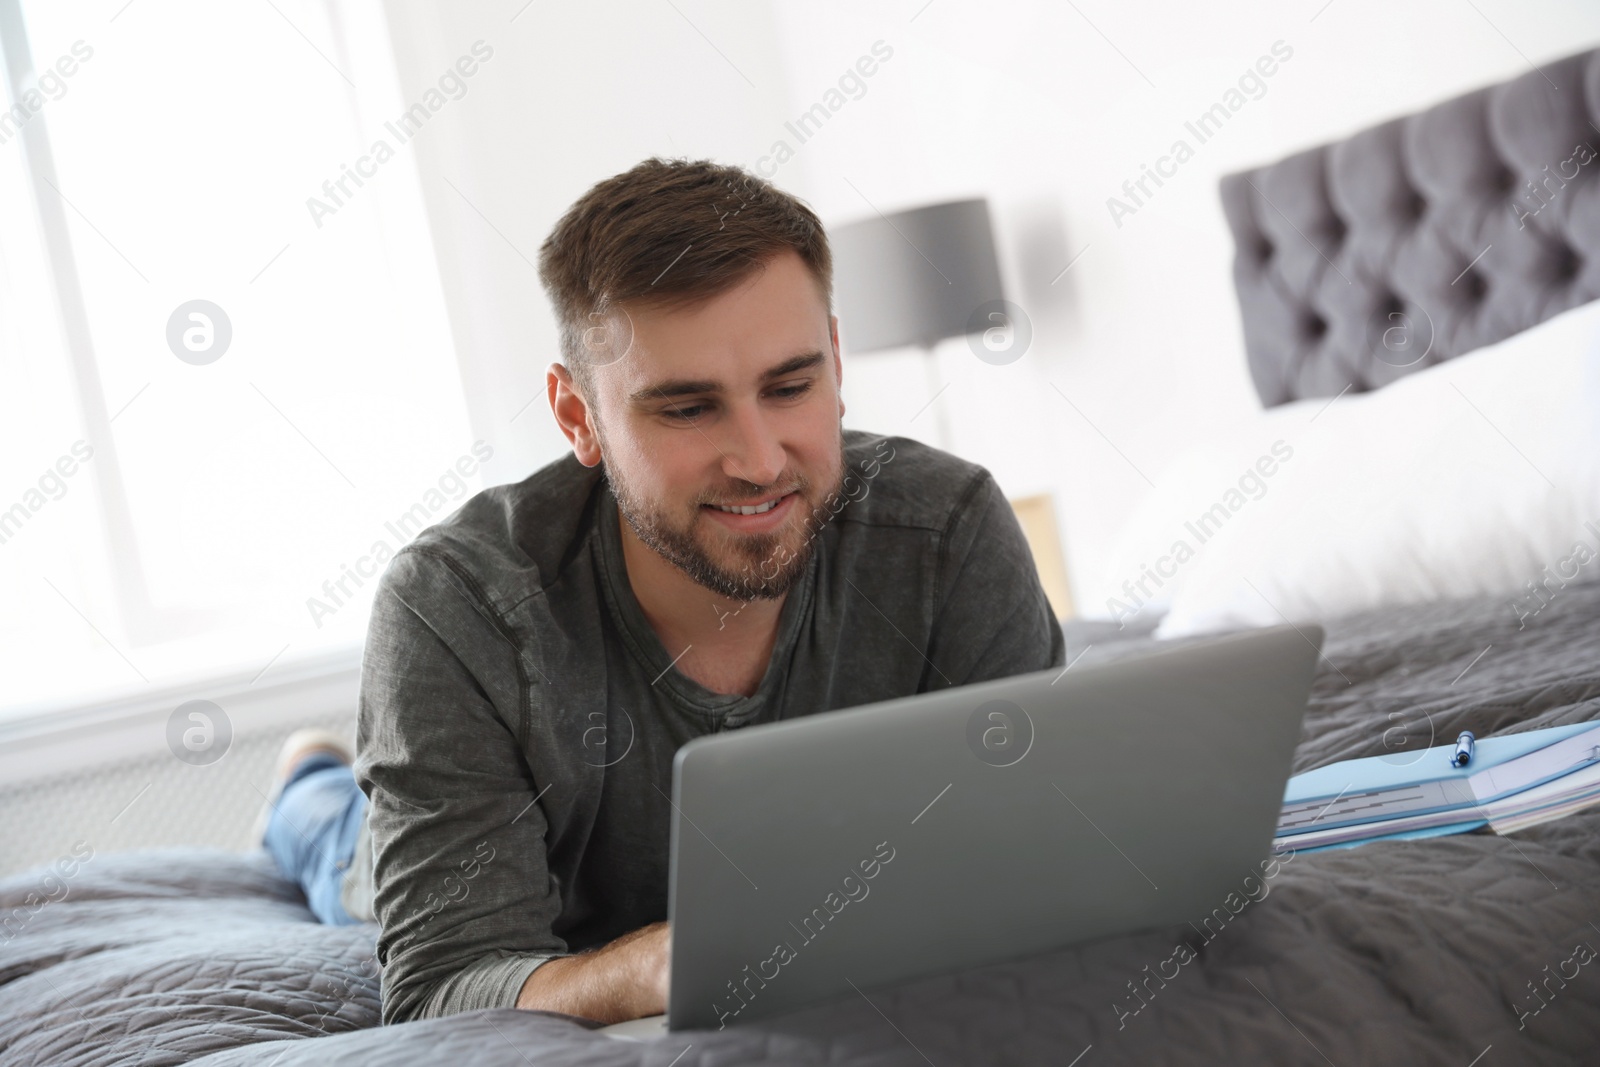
(1471, 477)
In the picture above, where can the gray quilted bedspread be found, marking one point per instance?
(1458, 951)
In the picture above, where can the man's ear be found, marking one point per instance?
(838, 365)
(572, 414)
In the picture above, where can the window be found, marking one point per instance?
(207, 490)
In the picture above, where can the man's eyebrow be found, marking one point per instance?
(691, 386)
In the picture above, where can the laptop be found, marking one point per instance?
(823, 857)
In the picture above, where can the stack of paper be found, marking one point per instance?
(1565, 795)
(1512, 782)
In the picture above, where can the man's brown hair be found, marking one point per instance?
(668, 232)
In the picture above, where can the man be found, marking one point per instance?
(716, 553)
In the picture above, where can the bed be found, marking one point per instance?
(1453, 951)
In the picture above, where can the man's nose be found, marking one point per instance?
(751, 450)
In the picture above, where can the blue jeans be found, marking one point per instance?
(311, 833)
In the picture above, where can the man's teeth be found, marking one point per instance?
(748, 509)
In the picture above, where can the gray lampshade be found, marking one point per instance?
(915, 277)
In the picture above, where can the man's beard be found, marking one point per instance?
(768, 567)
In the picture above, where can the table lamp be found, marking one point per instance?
(916, 278)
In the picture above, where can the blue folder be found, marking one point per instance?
(1394, 785)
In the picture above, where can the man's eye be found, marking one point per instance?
(685, 412)
(789, 392)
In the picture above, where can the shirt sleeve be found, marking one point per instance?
(461, 888)
(992, 619)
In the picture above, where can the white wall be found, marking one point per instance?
(1044, 110)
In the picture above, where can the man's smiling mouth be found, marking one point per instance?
(750, 509)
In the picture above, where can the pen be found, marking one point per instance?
(1463, 752)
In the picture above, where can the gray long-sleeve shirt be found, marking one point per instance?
(518, 713)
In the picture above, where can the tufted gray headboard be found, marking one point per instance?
(1421, 239)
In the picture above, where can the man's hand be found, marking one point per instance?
(626, 979)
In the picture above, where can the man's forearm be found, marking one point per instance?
(623, 980)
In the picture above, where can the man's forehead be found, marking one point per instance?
(730, 340)
(712, 363)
